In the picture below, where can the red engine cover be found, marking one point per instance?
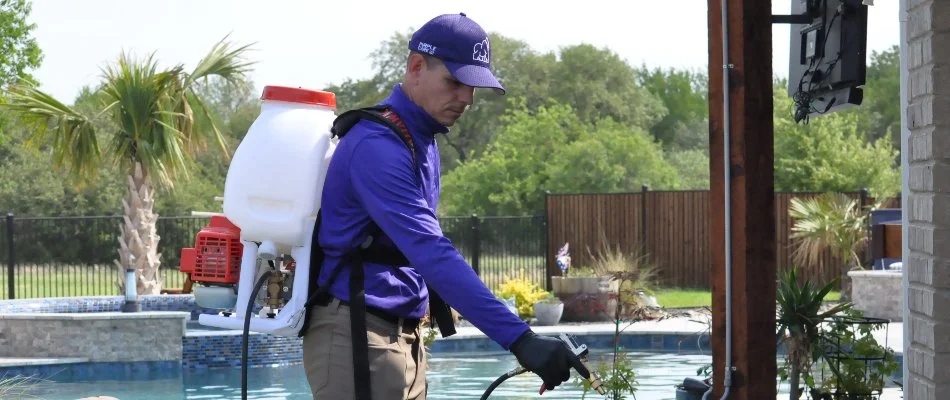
(216, 257)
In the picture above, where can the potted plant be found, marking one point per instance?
(798, 323)
(593, 293)
(857, 363)
(548, 310)
(588, 296)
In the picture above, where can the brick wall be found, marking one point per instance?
(927, 261)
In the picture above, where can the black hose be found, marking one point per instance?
(247, 327)
(501, 379)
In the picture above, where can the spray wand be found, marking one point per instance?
(580, 350)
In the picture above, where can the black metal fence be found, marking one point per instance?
(76, 256)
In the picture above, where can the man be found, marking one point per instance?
(373, 178)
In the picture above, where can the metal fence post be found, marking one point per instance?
(546, 244)
(11, 288)
(476, 246)
(867, 227)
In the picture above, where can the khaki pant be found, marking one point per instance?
(396, 357)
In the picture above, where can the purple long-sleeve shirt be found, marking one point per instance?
(370, 178)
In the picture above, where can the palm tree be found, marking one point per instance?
(158, 122)
(829, 221)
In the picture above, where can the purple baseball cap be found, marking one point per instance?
(463, 47)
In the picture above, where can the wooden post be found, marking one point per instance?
(751, 195)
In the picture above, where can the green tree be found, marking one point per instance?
(612, 158)
(159, 121)
(31, 186)
(692, 167)
(830, 153)
(551, 148)
(882, 92)
(19, 52)
(509, 178)
(684, 94)
(234, 103)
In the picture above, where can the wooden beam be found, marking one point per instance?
(753, 237)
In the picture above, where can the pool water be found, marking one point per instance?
(455, 377)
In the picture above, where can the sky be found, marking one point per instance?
(312, 43)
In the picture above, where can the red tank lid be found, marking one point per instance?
(299, 95)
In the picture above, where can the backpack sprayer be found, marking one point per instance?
(272, 194)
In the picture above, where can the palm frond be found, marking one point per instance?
(70, 135)
(224, 61)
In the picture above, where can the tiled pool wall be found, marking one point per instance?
(224, 350)
(633, 341)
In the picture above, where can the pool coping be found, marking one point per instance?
(95, 315)
(38, 361)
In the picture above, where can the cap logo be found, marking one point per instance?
(426, 48)
(480, 52)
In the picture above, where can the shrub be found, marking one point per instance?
(525, 292)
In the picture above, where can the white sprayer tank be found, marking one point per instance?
(273, 184)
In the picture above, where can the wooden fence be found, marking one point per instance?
(670, 228)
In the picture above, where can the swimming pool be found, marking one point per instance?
(450, 377)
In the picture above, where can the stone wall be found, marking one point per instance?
(879, 294)
(143, 336)
(926, 168)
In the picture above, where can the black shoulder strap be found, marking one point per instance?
(381, 114)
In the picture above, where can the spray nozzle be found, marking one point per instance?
(581, 351)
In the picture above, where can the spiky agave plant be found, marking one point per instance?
(798, 324)
(156, 130)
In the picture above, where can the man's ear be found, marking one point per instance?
(415, 65)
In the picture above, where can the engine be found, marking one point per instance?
(214, 266)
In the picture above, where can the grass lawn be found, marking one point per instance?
(39, 281)
(684, 298)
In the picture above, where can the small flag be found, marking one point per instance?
(564, 257)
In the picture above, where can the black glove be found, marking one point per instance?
(548, 357)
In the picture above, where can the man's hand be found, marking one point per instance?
(548, 357)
